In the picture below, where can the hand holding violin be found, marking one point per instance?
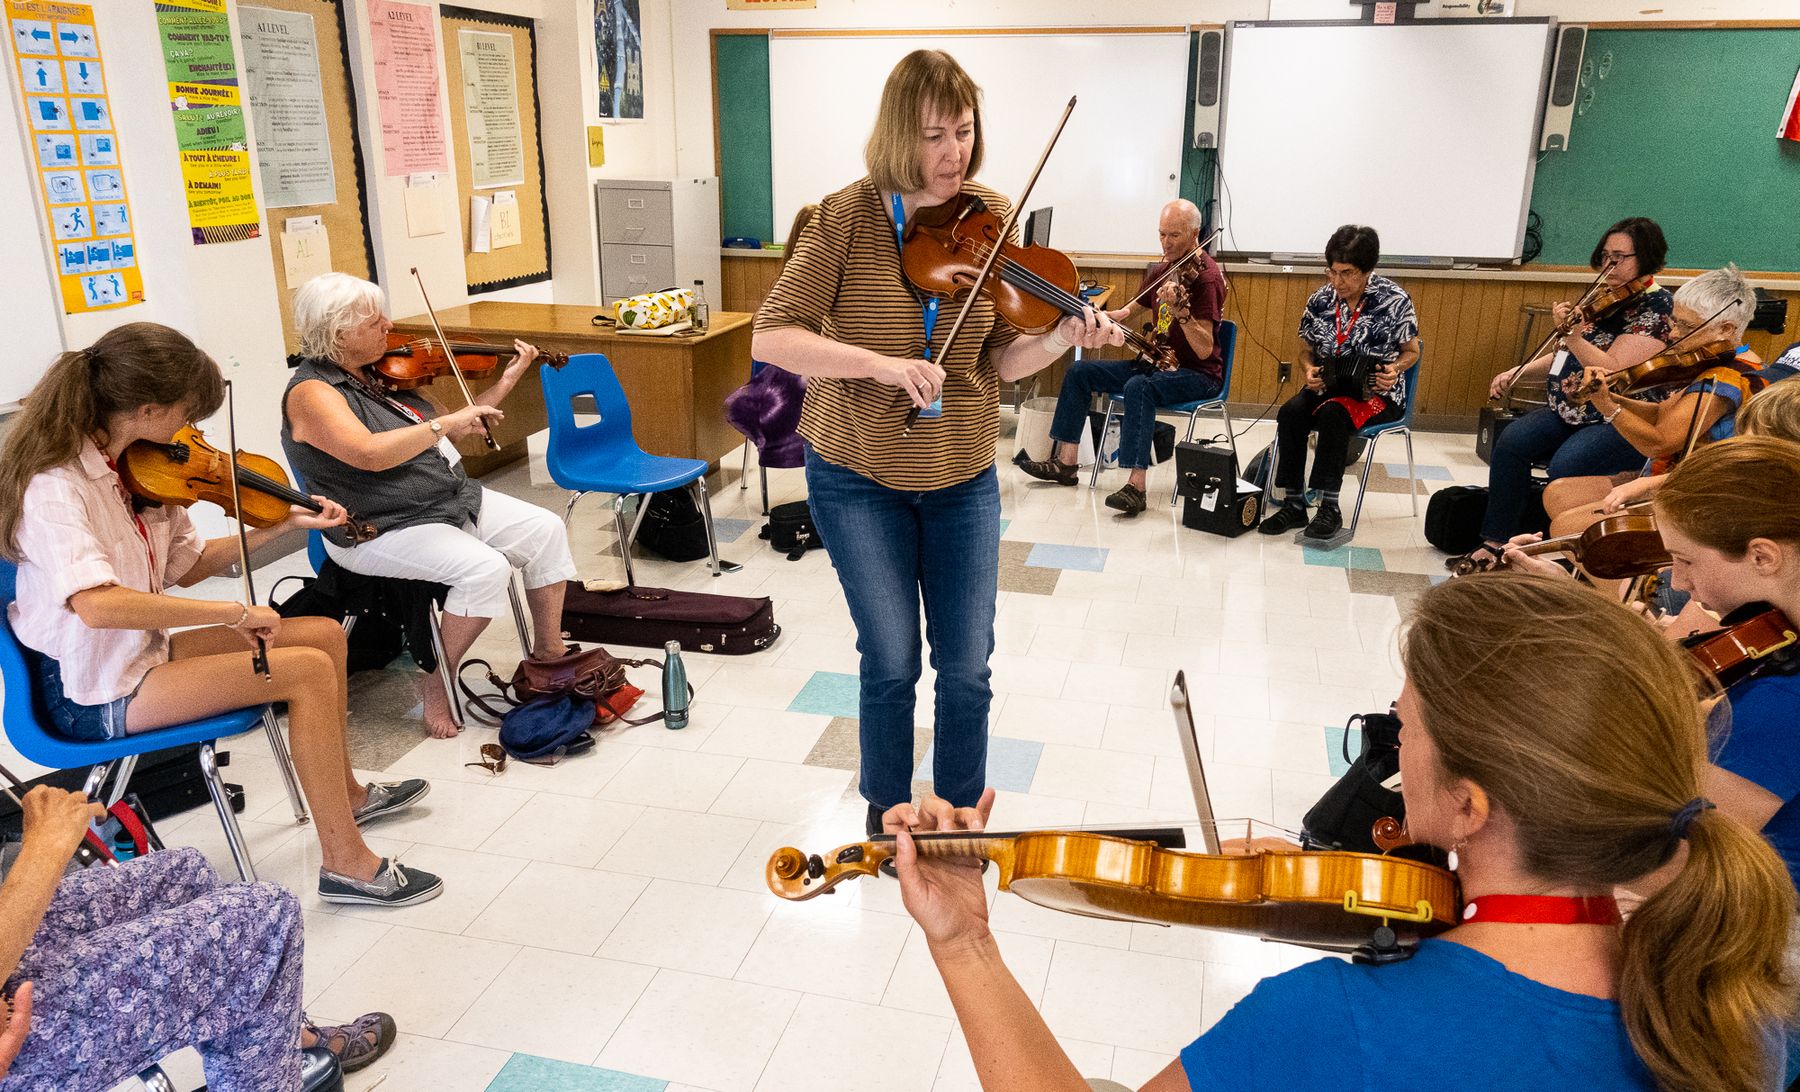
(1514, 559)
(1091, 329)
(944, 895)
(527, 355)
(330, 514)
(1598, 382)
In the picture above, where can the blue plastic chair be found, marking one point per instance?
(1226, 332)
(605, 458)
(25, 720)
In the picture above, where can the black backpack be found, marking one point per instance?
(673, 527)
(1453, 518)
(1344, 818)
(790, 530)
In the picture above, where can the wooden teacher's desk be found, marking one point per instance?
(676, 384)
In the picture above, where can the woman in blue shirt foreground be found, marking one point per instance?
(1602, 789)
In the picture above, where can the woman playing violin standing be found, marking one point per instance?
(907, 513)
(92, 606)
(1572, 439)
(1598, 784)
(346, 433)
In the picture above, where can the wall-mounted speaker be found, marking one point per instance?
(1565, 87)
(1209, 73)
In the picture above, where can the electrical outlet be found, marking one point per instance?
(1284, 370)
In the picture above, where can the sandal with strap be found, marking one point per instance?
(1479, 560)
(359, 1042)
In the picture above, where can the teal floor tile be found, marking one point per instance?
(530, 1073)
(1011, 765)
(828, 694)
(1421, 473)
(1086, 558)
(1004, 524)
(1334, 747)
(1347, 557)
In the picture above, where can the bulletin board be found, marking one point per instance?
(529, 261)
(345, 220)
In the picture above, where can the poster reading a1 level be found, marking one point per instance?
(75, 151)
(209, 119)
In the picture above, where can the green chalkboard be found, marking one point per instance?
(1682, 130)
(746, 192)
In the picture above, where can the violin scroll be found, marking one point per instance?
(1390, 834)
(794, 875)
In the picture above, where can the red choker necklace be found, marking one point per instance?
(1543, 909)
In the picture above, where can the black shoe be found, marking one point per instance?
(872, 824)
(1291, 516)
(1049, 470)
(320, 1070)
(1129, 499)
(1327, 521)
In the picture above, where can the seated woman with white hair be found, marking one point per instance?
(347, 435)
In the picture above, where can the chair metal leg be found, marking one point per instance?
(518, 613)
(764, 471)
(240, 853)
(285, 762)
(155, 1080)
(96, 777)
(744, 474)
(569, 508)
(1105, 427)
(618, 507)
(719, 567)
(1368, 461)
(121, 780)
(446, 669)
(1412, 484)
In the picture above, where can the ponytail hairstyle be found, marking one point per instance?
(1580, 722)
(1745, 487)
(1774, 411)
(135, 365)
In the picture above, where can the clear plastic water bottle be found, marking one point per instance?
(701, 314)
(674, 686)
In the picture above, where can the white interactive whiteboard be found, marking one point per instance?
(1427, 132)
(1117, 164)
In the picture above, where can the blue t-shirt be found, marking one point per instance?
(1449, 1017)
(1763, 746)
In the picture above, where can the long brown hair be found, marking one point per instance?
(1727, 493)
(138, 364)
(924, 79)
(1580, 722)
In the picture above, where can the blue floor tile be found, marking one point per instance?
(1011, 765)
(530, 1073)
(1437, 578)
(1334, 748)
(1347, 557)
(730, 530)
(1420, 473)
(1086, 558)
(1004, 524)
(828, 694)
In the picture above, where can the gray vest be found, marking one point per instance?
(423, 489)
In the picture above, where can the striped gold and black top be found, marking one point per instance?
(843, 281)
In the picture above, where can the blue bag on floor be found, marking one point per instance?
(542, 726)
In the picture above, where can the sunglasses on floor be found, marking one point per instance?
(493, 758)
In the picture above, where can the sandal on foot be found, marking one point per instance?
(1128, 499)
(1050, 470)
(359, 1042)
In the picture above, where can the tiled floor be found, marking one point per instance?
(606, 925)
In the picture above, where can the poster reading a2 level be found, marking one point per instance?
(406, 87)
(75, 153)
(209, 119)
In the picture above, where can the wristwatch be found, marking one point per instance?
(436, 429)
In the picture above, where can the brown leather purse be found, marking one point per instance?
(592, 674)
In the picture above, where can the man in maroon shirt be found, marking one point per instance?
(1182, 300)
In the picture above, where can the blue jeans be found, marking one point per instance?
(88, 723)
(1542, 436)
(1143, 394)
(892, 548)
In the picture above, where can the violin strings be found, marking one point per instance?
(1037, 285)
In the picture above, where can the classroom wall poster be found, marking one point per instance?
(404, 37)
(76, 152)
(491, 105)
(281, 79)
(619, 48)
(210, 134)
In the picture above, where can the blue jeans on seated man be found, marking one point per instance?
(1143, 394)
(1542, 436)
(893, 548)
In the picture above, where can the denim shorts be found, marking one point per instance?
(88, 723)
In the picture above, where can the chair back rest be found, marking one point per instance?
(315, 550)
(584, 374)
(1225, 334)
(21, 717)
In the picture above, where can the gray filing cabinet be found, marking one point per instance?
(657, 233)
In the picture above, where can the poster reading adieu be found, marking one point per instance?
(75, 151)
(209, 119)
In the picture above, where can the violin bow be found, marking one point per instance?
(1179, 262)
(487, 434)
(259, 659)
(987, 267)
(1593, 289)
(1670, 347)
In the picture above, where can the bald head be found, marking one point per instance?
(1178, 227)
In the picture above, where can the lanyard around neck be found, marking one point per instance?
(929, 308)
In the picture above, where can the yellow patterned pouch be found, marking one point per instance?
(654, 310)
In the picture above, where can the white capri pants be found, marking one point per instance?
(476, 560)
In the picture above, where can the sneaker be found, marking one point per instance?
(1291, 516)
(1049, 470)
(394, 885)
(1327, 521)
(872, 821)
(386, 797)
(1129, 499)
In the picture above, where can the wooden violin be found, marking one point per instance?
(1674, 366)
(189, 469)
(1595, 303)
(1742, 647)
(412, 362)
(1618, 547)
(1324, 900)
